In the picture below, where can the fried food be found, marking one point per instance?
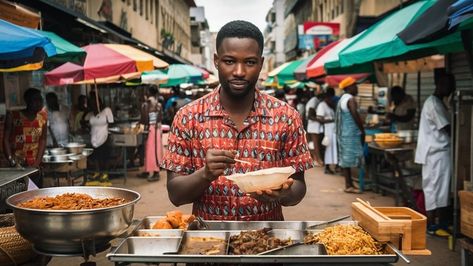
(254, 242)
(204, 246)
(162, 224)
(346, 240)
(174, 220)
(70, 201)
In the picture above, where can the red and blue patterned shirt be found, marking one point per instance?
(272, 136)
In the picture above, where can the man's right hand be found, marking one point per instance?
(216, 161)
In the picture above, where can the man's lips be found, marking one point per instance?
(238, 84)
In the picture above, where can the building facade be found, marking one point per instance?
(274, 46)
(162, 24)
(200, 38)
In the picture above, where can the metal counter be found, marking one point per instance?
(12, 181)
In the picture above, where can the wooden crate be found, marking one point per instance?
(403, 227)
(466, 213)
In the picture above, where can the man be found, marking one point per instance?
(314, 128)
(433, 152)
(350, 132)
(235, 121)
(404, 109)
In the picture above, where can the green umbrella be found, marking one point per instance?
(287, 73)
(181, 73)
(380, 42)
(66, 51)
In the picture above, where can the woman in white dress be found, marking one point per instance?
(326, 116)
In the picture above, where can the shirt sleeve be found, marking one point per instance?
(109, 115)
(320, 110)
(178, 157)
(439, 115)
(296, 152)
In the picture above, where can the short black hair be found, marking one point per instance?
(153, 90)
(397, 90)
(30, 93)
(52, 101)
(240, 29)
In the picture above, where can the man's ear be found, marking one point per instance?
(216, 60)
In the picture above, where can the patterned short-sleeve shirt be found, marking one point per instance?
(272, 136)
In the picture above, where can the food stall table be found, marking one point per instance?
(393, 178)
(125, 141)
(12, 181)
(70, 169)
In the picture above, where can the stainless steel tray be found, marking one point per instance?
(164, 250)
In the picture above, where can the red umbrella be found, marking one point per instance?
(67, 73)
(105, 63)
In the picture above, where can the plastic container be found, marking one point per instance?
(271, 178)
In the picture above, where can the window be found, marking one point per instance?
(151, 8)
(333, 13)
(146, 9)
(141, 7)
(134, 5)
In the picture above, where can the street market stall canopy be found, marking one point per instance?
(436, 22)
(65, 51)
(300, 72)
(22, 48)
(182, 73)
(154, 77)
(284, 74)
(105, 63)
(381, 42)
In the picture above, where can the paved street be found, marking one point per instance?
(324, 200)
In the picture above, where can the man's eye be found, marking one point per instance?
(251, 63)
(228, 61)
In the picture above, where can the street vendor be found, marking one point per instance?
(433, 152)
(350, 132)
(235, 121)
(25, 133)
(404, 110)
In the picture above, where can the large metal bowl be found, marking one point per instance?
(65, 231)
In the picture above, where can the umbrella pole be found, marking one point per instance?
(97, 95)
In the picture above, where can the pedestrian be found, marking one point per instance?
(151, 117)
(350, 133)
(326, 115)
(99, 117)
(58, 122)
(235, 121)
(314, 129)
(79, 125)
(433, 152)
(26, 134)
(403, 115)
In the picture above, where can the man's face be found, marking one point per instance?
(239, 63)
(353, 90)
(36, 103)
(444, 87)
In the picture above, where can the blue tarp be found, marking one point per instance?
(460, 11)
(18, 42)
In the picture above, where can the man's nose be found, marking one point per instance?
(239, 70)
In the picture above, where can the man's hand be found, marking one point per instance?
(271, 195)
(216, 161)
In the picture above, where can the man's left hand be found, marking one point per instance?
(272, 195)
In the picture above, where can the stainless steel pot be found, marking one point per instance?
(57, 151)
(64, 231)
(75, 147)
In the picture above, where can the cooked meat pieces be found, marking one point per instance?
(254, 242)
(71, 201)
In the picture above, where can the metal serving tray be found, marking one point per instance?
(163, 249)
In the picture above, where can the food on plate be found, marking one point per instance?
(174, 220)
(254, 242)
(71, 201)
(270, 178)
(204, 246)
(386, 137)
(345, 240)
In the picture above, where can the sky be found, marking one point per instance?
(219, 12)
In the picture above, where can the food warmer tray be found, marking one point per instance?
(147, 245)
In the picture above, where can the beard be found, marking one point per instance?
(239, 94)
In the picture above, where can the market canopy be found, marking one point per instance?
(300, 72)
(381, 42)
(65, 51)
(105, 63)
(154, 77)
(22, 47)
(284, 74)
(182, 73)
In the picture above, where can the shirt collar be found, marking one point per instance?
(215, 108)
